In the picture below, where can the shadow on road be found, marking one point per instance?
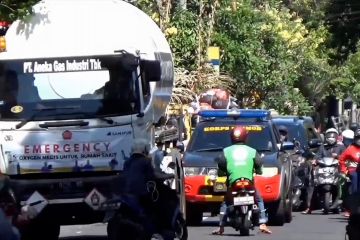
(340, 219)
(206, 224)
(85, 238)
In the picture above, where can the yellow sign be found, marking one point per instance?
(17, 109)
(213, 53)
(253, 128)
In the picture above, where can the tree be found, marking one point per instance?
(11, 10)
(343, 18)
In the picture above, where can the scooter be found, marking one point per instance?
(301, 175)
(243, 212)
(326, 177)
(129, 220)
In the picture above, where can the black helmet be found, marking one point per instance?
(357, 137)
(357, 133)
(354, 126)
(283, 130)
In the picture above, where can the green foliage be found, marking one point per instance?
(276, 50)
(184, 44)
(11, 10)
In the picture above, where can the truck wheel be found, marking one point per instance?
(277, 213)
(193, 215)
(40, 230)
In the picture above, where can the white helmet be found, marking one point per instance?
(332, 130)
(348, 133)
(331, 136)
(140, 146)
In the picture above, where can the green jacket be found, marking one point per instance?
(239, 161)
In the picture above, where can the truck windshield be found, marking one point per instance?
(215, 137)
(75, 87)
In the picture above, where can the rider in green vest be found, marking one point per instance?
(240, 161)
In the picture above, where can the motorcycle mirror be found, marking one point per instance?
(314, 143)
(180, 146)
(287, 146)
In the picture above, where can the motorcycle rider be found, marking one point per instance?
(140, 184)
(348, 137)
(283, 131)
(349, 163)
(7, 231)
(333, 149)
(228, 162)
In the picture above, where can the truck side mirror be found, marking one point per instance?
(151, 70)
(285, 146)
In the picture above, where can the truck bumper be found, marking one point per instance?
(66, 196)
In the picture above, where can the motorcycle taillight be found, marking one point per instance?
(243, 185)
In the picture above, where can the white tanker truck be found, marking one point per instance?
(79, 80)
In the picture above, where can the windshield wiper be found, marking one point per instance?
(107, 120)
(209, 149)
(39, 110)
(264, 150)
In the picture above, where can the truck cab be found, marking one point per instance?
(72, 101)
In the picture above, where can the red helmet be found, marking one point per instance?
(239, 134)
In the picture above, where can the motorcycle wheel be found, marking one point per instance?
(123, 228)
(326, 204)
(245, 228)
(181, 231)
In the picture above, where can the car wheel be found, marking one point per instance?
(288, 208)
(277, 212)
(193, 215)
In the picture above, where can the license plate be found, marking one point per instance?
(326, 170)
(220, 187)
(239, 201)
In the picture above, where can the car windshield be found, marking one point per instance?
(295, 131)
(74, 87)
(215, 137)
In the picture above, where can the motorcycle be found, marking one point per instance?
(353, 226)
(326, 178)
(301, 175)
(128, 219)
(243, 212)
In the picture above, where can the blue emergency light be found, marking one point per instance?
(236, 113)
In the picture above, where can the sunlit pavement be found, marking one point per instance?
(303, 227)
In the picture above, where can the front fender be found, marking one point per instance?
(271, 187)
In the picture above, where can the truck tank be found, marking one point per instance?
(87, 27)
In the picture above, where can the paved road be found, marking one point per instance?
(303, 227)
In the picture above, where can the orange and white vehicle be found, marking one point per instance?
(205, 186)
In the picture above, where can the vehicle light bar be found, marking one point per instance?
(239, 113)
